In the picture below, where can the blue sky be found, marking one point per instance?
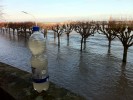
(60, 10)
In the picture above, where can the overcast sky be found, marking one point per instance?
(60, 10)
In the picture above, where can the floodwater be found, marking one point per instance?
(94, 73)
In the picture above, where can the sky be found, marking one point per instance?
(64, 10)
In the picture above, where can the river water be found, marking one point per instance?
(94, 73)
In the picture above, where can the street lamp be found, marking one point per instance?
(31, 15)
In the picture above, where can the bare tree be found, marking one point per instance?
(68, 29)
(13, 27)
(85, 29)
(44, 28)
(58, 29)
(27, 26)
(108, 30)
(125, 34)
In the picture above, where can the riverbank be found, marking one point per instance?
(17, 84)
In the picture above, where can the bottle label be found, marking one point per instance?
(41, 80)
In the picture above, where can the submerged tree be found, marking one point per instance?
(25, 26)
(12, 26)
(58, 30)
(108, 30)
(44, 28)
(125, 34)
(85, 29)
(68, 29)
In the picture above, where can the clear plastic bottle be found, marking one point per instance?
(39, 63)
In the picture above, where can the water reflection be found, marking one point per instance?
(83, 65)
(123, 90)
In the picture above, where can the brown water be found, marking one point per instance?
(94, 73)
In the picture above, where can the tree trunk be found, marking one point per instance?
(6, 30)
(84, 43)
(58, 40)
(9, 30)
(125, 53)
(2, 30)
(25, 32)
(67, 39)
(17, 32)
(45, 33)
(67, 36)
(81, 43)
(13, 31)
(109, 45)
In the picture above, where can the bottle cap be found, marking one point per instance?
(35, 28)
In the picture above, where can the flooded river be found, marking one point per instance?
(94, 73)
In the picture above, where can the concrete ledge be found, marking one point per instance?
(17, 83)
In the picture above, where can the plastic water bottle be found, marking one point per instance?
(39, 63)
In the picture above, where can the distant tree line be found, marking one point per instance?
(19, 28)
(123, 30)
